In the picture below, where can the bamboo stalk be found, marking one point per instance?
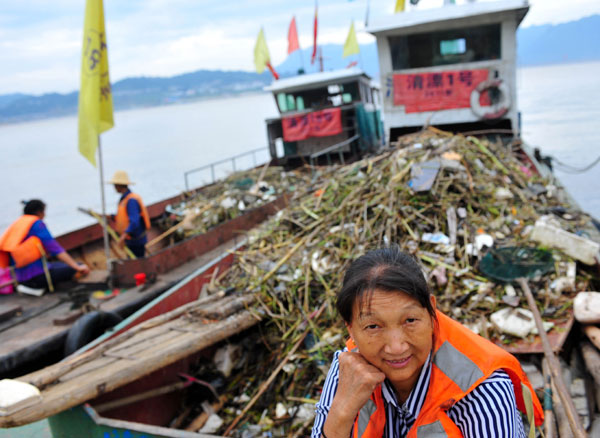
(563, 392)
(112, 233)
(274, 374)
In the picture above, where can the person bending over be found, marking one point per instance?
(24, 244)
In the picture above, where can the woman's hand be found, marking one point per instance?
(357, 381)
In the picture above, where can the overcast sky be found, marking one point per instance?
(40, 40)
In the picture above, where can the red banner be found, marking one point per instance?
(420, 92)
(316, 124)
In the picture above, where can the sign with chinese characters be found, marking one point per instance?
(315, 124)
(434, 91)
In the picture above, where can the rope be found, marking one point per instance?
(567, 168)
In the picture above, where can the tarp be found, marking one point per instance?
(435, 91)
(315, 124)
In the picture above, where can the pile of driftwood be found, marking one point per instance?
(456, 203)
(226, 199)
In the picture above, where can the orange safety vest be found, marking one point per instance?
(122, 218)
(461, 361)
(12, 243)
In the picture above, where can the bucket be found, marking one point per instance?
(140, 278)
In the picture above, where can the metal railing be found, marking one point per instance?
(212, 165)
(336, 148)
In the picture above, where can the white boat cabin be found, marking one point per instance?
(333, 113)
(453, 67)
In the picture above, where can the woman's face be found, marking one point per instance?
(394, 333)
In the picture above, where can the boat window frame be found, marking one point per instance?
(483, 43)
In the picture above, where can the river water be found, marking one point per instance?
(560, 107)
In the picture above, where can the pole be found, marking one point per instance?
(104, 230)
(554, 365)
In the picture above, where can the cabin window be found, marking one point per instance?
(480, 43)
(282, 102)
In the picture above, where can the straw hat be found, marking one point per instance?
(120, 177)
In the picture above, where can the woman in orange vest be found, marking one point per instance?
(25, 242)
(410, 371)
(132, 220)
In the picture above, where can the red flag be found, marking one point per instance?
(293, 43)
(314, 53)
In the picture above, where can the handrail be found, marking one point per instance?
(213, 164)
(336, 147)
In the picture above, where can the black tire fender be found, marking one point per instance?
(89, 327)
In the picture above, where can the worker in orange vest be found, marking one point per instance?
(24, 244)
(410, 371)
(132, 220)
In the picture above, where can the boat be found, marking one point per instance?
(33, 329)
(192, 323)
(323, 115)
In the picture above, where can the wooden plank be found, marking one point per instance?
(62, 396)
(8, 311)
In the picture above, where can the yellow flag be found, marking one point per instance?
(261, 53)
(95, 96)
(399, 6)
(351, 45)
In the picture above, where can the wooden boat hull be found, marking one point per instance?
(23, 348)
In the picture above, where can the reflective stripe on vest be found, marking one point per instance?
(461, 361)
(122, 218)
(23, 252)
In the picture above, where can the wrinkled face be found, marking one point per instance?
(395, 334)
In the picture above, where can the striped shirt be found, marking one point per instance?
(489, 411)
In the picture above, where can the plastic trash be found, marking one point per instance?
(439, 238)
(575, 246)
(280, 410)
(423, 175)
(586, 307)
(213, 424)
(503, 194)
(515, 322)
(226, 357)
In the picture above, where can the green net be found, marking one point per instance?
(508, 264)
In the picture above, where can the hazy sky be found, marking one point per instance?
(40, 40)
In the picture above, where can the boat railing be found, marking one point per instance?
(212, 165)
(336, 148)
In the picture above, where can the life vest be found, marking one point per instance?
(461, 361)
(13, 243)
(122, 218)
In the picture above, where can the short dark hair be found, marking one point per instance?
(34, 207)
(388, 269)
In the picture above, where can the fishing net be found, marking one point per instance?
(509, 263)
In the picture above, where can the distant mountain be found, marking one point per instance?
(574, 41)
(547, 44)
(332, 60)
(6, 99)
(136, 92)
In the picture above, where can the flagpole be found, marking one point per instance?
(104, 229)
(302, 60)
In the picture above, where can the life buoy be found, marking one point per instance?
(496, 110)
(89, 327)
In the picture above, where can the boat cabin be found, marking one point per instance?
(322, 114)
(453, 67)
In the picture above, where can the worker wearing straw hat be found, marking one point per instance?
(131, 220)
